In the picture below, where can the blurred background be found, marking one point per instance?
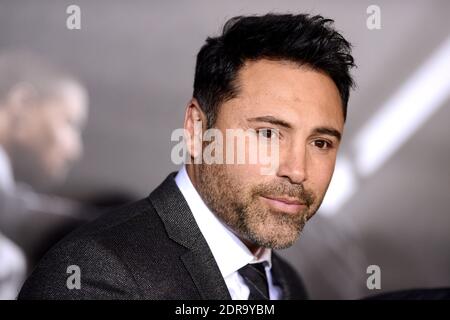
(133, 62)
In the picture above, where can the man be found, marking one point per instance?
(208, 231)
(41, 115)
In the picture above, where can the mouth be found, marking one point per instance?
(284, 204)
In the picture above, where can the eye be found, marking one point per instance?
(322, 144)
(267, 133)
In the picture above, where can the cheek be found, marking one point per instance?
(53, 138)
(241, 178)
(32, 131)
(68, 139)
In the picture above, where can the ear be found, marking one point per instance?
(194, 125)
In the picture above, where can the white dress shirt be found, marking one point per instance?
(228, 250)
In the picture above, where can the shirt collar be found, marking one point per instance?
(228, 250)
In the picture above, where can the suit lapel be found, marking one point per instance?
(181, 227)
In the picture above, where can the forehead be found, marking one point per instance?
(288, 91)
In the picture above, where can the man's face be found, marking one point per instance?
(50, 136)
(305, 107)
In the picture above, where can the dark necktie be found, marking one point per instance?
(255, 278)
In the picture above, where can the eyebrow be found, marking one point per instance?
(328, 131)
(272, 120)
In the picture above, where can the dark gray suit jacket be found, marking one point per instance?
(151, 249)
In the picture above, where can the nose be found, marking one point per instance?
(293, 164)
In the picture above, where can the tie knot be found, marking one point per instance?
(254, 275)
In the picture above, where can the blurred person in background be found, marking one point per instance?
(42, 113)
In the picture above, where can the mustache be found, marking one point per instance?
(297, 191)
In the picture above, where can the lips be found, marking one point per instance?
(284, 204)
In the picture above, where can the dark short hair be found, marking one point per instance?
(303, 39)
